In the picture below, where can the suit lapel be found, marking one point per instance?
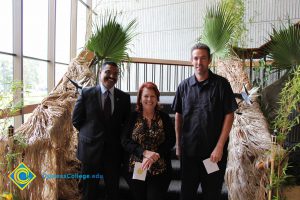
(116, 101)
(99, 100)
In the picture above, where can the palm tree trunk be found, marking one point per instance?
(249, 140)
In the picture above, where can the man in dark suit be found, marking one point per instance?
(99, 115)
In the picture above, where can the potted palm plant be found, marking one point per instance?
(283, 124)
(284, 49)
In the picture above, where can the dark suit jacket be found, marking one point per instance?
(95, 132)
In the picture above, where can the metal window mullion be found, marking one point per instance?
(18, 51)
(6, 53)
(87, 4)
(89, 19)
(73, 27)
(51, 45)
(61, 63)
(37, 59)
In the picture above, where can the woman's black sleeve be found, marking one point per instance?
(128, 144)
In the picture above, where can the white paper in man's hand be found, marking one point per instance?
(210, 166)
(138, 172)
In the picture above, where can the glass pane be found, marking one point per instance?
(81, 26)
(6, 72)
(35, 28)
(6, 26)
(60, 70)
(63, 18)
(95, 4)
(4, 124)
(6, 96)
(26, 117)
(35, 77)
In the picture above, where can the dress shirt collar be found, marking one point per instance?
(193, 80)
(103, 89)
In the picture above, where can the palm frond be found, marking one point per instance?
(110, 39)
(284, 47)
(218, 30)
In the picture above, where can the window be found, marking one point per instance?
(36, 43)
(60, 70)
(6, 78)
(26, 117)
(6, 72)
(5, 123)
(95, 4)
(35, 23)
(63, 18)
(35, 77)
(6, 26)
(81, 26)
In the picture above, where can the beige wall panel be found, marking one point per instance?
(168, 28)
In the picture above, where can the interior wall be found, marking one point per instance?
(168, 29)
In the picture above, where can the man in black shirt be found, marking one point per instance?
(204, 106)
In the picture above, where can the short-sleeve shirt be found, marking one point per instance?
(203, 106)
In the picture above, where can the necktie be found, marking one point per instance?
(107, 105)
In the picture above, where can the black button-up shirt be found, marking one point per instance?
(203, 106)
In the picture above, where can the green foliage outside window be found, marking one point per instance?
(9, 106)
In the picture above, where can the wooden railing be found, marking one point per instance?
(25, 110)
(167, 74)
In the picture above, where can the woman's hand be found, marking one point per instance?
(150, 157)
(147, 163)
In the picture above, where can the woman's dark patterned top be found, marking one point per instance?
(159, 137)
(149, 138)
